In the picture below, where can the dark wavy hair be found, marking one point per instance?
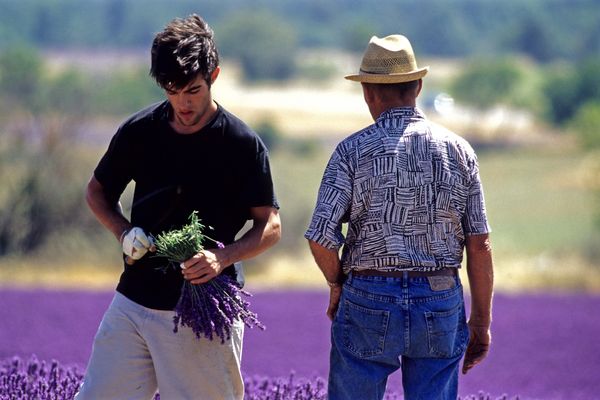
(184, 49)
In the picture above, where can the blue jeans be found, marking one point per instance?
(383, 324)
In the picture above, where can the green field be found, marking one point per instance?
(535, 202)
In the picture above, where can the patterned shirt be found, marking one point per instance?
(410, 192)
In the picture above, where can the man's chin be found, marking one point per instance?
(187, 120)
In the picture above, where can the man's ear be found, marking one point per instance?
(214, 75)
(419, 87)
(368, 93)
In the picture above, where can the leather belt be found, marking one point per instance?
(411, 274)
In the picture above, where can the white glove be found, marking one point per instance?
(136, 243)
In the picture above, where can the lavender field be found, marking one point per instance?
(545, 346)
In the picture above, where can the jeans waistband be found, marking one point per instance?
(409, 274)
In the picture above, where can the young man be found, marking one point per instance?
(185, 154)
(411, 194)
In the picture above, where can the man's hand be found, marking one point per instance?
(136, 243)
(204, 266)
(479, 345)
(334, 301)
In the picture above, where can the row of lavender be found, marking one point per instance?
(34, 379)
(545, 346)
(38, 380)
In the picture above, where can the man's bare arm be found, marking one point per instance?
(109, 213)
(480, 272)
(264, 233)
(328, 262)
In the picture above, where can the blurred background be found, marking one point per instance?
(519, 79)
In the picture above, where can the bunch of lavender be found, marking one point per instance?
(211, 308)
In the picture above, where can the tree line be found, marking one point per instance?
(545, 30)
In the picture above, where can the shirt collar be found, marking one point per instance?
(401, 112)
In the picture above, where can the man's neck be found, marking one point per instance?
(206, 117)
(378, 109)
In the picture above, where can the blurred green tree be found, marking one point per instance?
(21, 77)
(535, 36)
(586, 124)
(589, 79)
(43, 176)
(443, 29)
(67, 92)
(356, 35)
(560, 89)
(43, 161)
(124, 91)
(543, 30)
(263, 43)
(569, 87)
(269, 133)
(485, 83)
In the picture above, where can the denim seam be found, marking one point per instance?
(371, 296)
(395, 300)
(442, 296)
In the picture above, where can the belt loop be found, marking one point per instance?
(405, 279)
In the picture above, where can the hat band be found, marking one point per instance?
(362, 71)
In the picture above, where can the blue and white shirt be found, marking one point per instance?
(410, 192)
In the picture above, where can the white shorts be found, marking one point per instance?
(136, 353)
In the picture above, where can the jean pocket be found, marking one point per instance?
(364, 329)
(447, 333)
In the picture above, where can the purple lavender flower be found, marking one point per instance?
(256, 388)
(211, 308)
(36, 380)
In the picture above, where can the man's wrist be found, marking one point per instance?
(333, 284)
(123, 234)
(479, 323)
(337, 282)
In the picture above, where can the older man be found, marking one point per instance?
(412, 197)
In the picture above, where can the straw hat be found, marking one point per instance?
(389, 60)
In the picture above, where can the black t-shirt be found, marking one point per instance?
(220, 172)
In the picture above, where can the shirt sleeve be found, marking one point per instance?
(258, 188)
(114, 171)
(475, 220)
(333, 204)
